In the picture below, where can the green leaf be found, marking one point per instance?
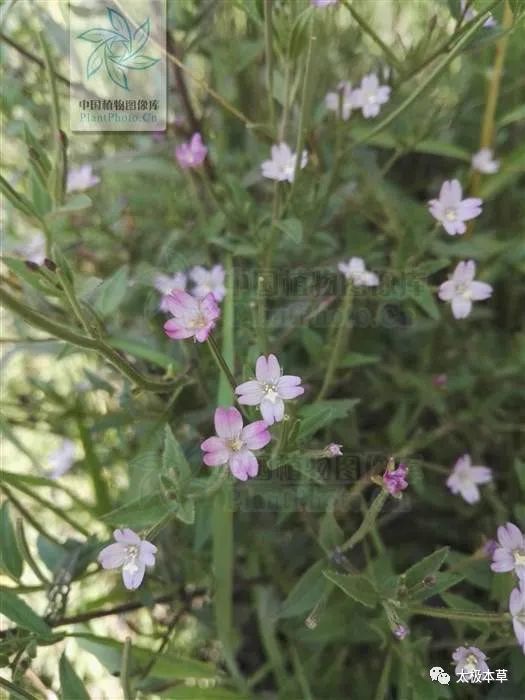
(330, 534)
(70, 684)
(32, 277)
(111, 292)
(174, 462)
(443, 581)
(358, 359)
(77, 202)
(318, 415)
(292, 229)
(306, 592)
(144, 351)
(358, 587)
(10, 557)
(428, 566)
(141, 512)
(16, 610)
(425, 298)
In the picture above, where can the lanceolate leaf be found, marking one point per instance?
(357, 586)
(19, 612)
(426, 567)
(10, 558)
(70, 684)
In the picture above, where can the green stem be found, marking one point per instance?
(431, 77)
(338, 342)
(372, 34)
(269, 57)
(58, 330)
(221, 362)
(100, 486)
(304, 103)
(462, 615)
(28, 517)
(368, 521)
(261, 333)
(125, 679)
(382, 687)
(58, 139)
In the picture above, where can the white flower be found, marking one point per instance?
(370, 95)
(469, 659)
(355, 271)
(61, 460)
(82, 178)
(129, 553)
(463, 289)
(169, 283)
(483, 161)
(465, 479)
(451, 210)
(34, 250)
(344, 95)
(281, 167)
(517, 610)
(208, 282)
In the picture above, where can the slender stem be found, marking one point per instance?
(338, 343)
(38, 320)
(69, 293)
(286, 105)
(367, 523)
(125, 679)
(100, 486)
(372, 34)
(58, 141)
(28, 517)
(269, 57)
(261, 333)
(382, 686)
(464, 615)
(486, 138)
(221, 362)
(429, 79)
(304, 103)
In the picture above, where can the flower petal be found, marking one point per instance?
(112, 556)
(256, 435)
(228, 422)
(126, 536)
(244, 465)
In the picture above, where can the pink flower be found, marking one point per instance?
(333, 450)
(192, 318)
(440, 380)
(483, 161)
(82, 178)
(465, 479)
(462, 289)
(192, 153)
(469, 659)
(269, 390)
(400, 632)
(169, 283)
(129, 553)
(208, 282)
(354, 270)
(370, 95)
(451, 210)
(510, 553)
(395, 480)
(281, 167)
(517, 610)
(234, 444)
(344, 97)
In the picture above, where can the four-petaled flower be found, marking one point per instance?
(462, 289)
(270, 389)
(281, 167)
(517, 610)
(395, 480)
(465, 479)
(343, 99)
(451, 210)
(81, 178)
(354, 271)
(165, 284)
(208, 282)
(469, 659)
(234, 443)
(192, 318)
(62, 459)
(129, 553)
(509, 555)
(370, 95)
(192, 153)
(483, 161)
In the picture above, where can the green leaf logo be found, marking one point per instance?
(118, 49)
